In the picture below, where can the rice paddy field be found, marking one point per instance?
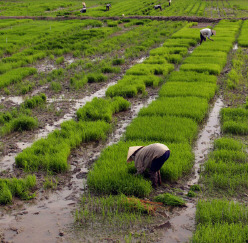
(78, 89)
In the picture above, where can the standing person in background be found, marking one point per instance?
(151, 157)
(204, 33)
(169, 2)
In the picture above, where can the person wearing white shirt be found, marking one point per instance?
(206, 33)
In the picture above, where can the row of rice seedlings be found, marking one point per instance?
(112, 175)
(242, 39)
(4, 23)
(102, 109)
(191, 107)
(234, 121)
(226, 170)
(15, 76)
(203, 59)
(220, 220)
(51, 153)
(13, 187)
(142, 75)
(235, 76)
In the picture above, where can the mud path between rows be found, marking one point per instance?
(161, 18)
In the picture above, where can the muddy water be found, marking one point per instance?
(183, 224)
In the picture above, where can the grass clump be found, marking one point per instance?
(35, 101)
(228, 144)
(96, 78)
(118, 61)
(169, 199)
(160, 51)
(102, 109)
(214, 69)
(14, 187)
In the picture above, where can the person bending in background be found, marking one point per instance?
(151, 158)
(108, 6)
(158, 7)
(204, 33)
(83, 10)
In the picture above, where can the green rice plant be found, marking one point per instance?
(13, 187)
(155, 60)
(55, 86)
(112, 174)
(191, 193)
(190, 76)
(205, 60)
(131, 85)
(19, 124)
(110, 69)
(168, 129)
(148, 69)
(202, 68)
(60, 60)
(51, 154)
(230, 156)
(15, 76)
(219, 233)
(118, 61)
(35, 101)
(160, 51)
(184, 89)
(173, 58)
(221, 211)
(187, 33)
(180, 43)
(191, 107)
(96, 78)
(221, 45)
(234, 121)
(228, 144)
(195, 188)
(102, 109)
(169, 199)
(208, 54)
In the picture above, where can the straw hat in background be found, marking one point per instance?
(214, 32)
(131, 150)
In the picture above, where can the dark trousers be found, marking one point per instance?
(156, 165)
(202, 38)
(169, 3)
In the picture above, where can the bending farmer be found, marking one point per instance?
(83, 10)
(151, 157)
(204, 33)
(108, 6)
(158, 7)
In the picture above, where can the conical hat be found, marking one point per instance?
(214, 32)
(131, 150)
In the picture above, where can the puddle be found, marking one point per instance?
(184, 224)
(235, 46)
(141, 60)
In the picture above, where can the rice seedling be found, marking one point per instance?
(169, 199)
(19, 124)
(171, 129)
(102, 109)
(228, 144)
(111, 174)
(96, 78)
(214, 69)
(35, 101)
(221, 211)
(160, 51)
(219, 233)
(14, 187)
(234, 121)
(118, 61)
(191, 194)
(148, 69)
(51, 154)
(131, 85)
(180, 42)
(184, 89)
(190, 76)
(155, 60)
(191, 107)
